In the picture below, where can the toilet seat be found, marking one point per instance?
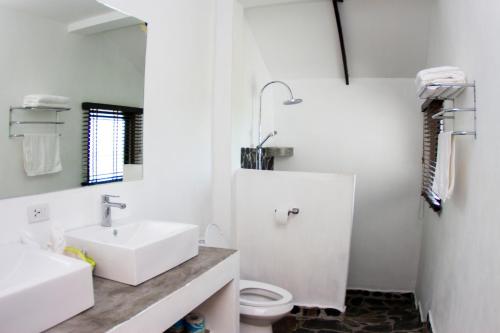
(262, 295)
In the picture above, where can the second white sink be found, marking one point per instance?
(39, 289)
(135, 251)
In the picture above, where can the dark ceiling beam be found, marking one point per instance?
(341, 39)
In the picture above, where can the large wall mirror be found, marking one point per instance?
(71, 96)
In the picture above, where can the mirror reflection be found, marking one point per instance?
(71, 97)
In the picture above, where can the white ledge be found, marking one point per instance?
(104, 22)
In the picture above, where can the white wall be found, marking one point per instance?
(459, 268)
(178, 103)
(69, 209)
(250, 73)
(179, 91)
(221, 117)
(309, 255)
(40, 56)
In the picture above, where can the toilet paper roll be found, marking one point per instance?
(281, 215)
(195, 323)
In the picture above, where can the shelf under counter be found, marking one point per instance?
(158, 303)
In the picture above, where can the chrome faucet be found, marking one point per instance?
(106, 208)
(270, 135)
(260, 152)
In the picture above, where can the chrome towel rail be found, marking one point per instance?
(22, 135)
(441, 115)
(16, 122)
(450, 92)
(40, 108)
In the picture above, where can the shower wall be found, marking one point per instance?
(372, 129)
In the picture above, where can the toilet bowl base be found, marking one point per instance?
(246, 328)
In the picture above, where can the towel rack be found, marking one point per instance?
(451, 92)
(56, 122)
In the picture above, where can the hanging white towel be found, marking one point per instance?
(444, 177)
(41, 154)
(48, 101)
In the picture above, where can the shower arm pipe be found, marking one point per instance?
(260, 102)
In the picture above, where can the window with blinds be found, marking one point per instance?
(112, 137)
(432, 128)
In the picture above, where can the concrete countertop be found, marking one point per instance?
(116, 302)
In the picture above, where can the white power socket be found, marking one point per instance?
(38, 213)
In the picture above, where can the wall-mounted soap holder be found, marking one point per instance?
(280, 151)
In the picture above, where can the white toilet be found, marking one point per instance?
(261, 304)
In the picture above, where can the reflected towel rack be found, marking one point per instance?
(32, 122)
(447, 91)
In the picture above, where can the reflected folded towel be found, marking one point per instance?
(46, 101)
(444, 176)
(443, 75)
(41, 154)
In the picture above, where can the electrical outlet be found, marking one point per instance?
(38, 213)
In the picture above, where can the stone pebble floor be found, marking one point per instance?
(366, 312)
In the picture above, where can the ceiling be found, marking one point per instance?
(258, 3)
(299, 39)
(63, 11)
(130, 40)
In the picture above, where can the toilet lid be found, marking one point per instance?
(259, 294)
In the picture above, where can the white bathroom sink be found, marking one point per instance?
(39, 289)
(135, 251)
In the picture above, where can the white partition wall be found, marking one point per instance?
(309, 255)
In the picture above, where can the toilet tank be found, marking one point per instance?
(214, 237)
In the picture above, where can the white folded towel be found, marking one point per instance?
(40, 100)
(444, 176)
(430, 75)
(440, 69)
(444, 75)
(41, 154)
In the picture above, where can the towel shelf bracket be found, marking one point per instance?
(444, 91)
(13, 122)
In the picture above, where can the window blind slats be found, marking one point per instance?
(432, 128)
(112, 137)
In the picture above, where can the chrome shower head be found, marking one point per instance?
(292, 101)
